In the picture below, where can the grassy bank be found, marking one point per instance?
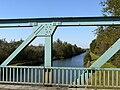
(103, 77)
(106, 65)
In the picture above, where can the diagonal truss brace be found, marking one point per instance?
(45, 27)
(41, 30)
(20, 48)
(101, 60)
(107, 55)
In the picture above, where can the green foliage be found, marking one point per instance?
(106, 38)
(65, 50)
(92, 45)
(111, 7)
(34, 55)
(94, 56)
(87, 59)
(115, 60)
(107, 35)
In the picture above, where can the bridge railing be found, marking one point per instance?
(62, 76)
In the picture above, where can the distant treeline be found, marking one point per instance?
(34, 55)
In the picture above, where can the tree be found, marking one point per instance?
(34, 55)
(92, 46)
(111, 7)
(107, 35)
(64, 50)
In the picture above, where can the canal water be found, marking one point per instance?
(76, 61)
(32, 75)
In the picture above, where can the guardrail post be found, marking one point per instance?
(47, 76)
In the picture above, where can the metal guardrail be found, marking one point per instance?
(65, 76)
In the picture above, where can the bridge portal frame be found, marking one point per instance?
(45, 27)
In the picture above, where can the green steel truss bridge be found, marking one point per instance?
(61, 76)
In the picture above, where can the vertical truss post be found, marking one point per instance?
(48, 58)
(40, 30)
(48, 52)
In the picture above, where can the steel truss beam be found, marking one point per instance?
(41, 30)
(65, 21)
(45, 27)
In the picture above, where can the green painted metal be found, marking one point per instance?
(104, 58)
(60, 21)
(72, 72)
(48, 51)
(41, 30)
(63, 68)
(45, 27)
(29, 22)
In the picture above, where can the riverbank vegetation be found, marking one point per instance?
(106, 35)
(34, 55)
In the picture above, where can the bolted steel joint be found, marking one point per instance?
(44, 30)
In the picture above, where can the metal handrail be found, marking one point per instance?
(65, 76)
